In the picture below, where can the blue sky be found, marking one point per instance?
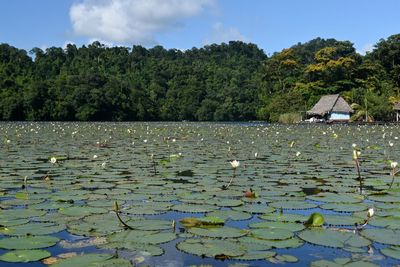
(271, 24)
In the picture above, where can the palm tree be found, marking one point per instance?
(361, 112)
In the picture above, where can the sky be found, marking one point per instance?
(182, 24)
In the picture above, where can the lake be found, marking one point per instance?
(60, 183)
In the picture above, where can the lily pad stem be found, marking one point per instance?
(393, 174)
(224, 187)
(116, 210)
(357, 161)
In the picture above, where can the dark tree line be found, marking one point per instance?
(225, 82)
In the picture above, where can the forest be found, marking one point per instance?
(233, 81)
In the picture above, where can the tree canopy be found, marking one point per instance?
(218, 82)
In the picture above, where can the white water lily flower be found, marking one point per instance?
(393, 164)
(235, 164)
(256, 155)
(53, 160)
(298, 153)
(94, 156)
(354, 145)
(8, 141)
(103, 164)
(370, 212)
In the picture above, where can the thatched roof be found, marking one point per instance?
(396, 106)
(330, 103)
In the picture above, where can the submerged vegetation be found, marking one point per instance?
(225, 82)
(292, 195)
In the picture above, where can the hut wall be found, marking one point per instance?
(338, 116)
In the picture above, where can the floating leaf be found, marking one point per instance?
(85, 260)
(384, 236)
(332, 238)
(223, 232)
(24, 255)
(28, 242)
(212, 248)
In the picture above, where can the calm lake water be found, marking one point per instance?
(62, 180)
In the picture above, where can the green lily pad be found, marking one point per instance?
(152, 250)
(222, 232)
(280, 225)
(32, 229)
(230, 215)
(81, 211)
(384, 236)
(84, 260)
(28, 242)
(25, 255)
(390, 252)
(293, 242)
(293, 205)
(332, 238)
(272, 233)
(212, 248)
(144, 237)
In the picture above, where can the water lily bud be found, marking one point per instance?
(235, 164)
(298, 153)
(103, 165)
(356, 154)
(370, 212)
(354, 145)
(255, 155)
(53, 160)
(393, 164)
(94, 156)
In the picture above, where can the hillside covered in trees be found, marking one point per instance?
(235, 81)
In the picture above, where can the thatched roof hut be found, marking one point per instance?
(331, 107)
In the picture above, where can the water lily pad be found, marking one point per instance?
(293, 205)
(255, 208)
(230, 215)
(191, 208)
(144, 237)
(28, 242)
(332, 238)
(81, 211)
(272, 233)
(152, 250)
(256, 255)
(390, 252)
(287, 243)
(150, 224)
(25, 255)
(337, 198)
(84, 260)
(212, 248)
(384, 236)
(222, 232)
(32, 229)
(280, 225)
(286, 258)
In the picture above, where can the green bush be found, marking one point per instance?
(292, 117)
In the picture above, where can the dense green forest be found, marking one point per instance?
(234, 81)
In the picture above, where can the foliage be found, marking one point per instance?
(218, 82)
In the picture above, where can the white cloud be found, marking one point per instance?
(136, 21)
(222, 34)
(366, 48)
